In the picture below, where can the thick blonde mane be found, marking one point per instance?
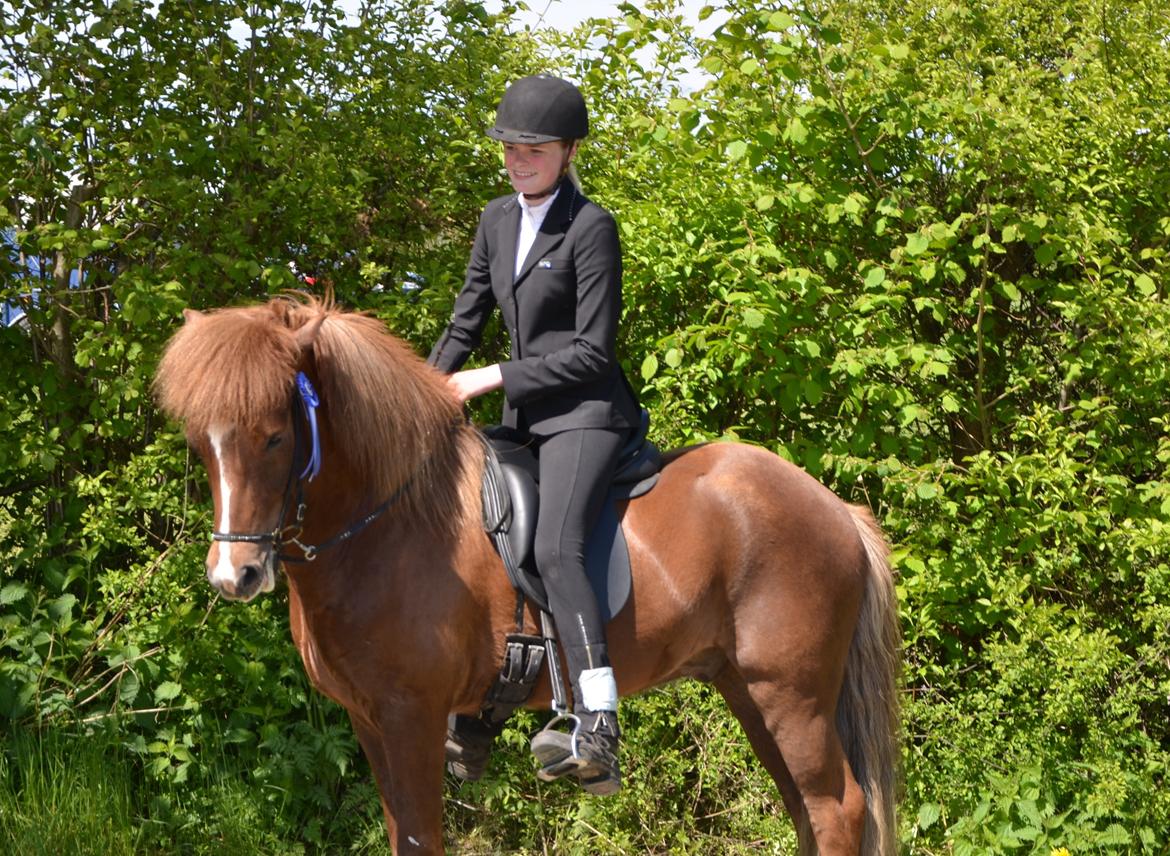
(386, 409)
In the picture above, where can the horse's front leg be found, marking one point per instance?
(404, 744)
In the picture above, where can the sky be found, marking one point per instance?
(563, 15)
(566, 14)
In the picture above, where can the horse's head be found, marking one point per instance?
(229, 375)
(232, 377)
(247, 465)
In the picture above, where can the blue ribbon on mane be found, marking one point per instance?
(311, 402)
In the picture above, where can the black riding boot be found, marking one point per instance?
(588, 752)
(597, 742)
(469, 745)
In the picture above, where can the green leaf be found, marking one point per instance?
(649, 367)
(926, 490)
(63, 606)
(1114, 834)
(917, 244)
(796, 130)
(928, 815)
(13, 592)
(753, 317)
(128, 688)
(811, 348)
(166, 691)
(812, 391)
(673, 358)
(875, 277)
(736, 150)
(1145, 285)
(1030, 812)
(911, 413)
(1045, 253)
(780, 21)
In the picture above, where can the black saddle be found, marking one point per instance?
(511, 500)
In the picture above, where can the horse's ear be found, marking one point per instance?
(306, 334)
(192, 316)
(281, 311)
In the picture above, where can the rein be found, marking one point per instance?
(280, 536)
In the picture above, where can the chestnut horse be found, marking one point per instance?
(748, 573)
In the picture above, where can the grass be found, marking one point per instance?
(68, 794)
(64, 796)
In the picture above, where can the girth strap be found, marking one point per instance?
(523, 660)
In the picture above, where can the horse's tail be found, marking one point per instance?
(867, 711)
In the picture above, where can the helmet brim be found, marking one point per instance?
(508, 135)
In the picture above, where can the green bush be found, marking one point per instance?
(918, 248)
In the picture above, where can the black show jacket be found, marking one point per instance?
(561, 313)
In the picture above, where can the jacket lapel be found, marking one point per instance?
(552, 230)
(507, 233)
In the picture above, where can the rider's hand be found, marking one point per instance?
(466, 385)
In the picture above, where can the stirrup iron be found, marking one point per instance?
(557, 751)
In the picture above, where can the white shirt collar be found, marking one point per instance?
(538, 209)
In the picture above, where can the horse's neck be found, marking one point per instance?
(304, 635)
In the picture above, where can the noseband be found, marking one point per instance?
(295, 486)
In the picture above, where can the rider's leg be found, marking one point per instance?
(576, 468)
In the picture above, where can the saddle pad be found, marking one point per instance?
(510, 503)
(607, 562)
(607, 559)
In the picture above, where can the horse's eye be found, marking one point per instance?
(274, 441)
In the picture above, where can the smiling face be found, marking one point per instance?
(533, 170)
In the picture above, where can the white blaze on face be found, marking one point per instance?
(223, 571)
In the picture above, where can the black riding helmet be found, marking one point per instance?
(540, 109)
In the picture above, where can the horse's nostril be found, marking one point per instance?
(250, 578)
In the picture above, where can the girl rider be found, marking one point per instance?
(549, 258)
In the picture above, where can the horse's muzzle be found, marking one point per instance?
(241, 571)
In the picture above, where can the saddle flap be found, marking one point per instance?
(525, 500)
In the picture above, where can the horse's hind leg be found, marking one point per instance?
(735, 692)
(802, 723)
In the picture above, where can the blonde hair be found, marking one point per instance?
(571, 171)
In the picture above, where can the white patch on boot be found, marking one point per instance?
(598, 689)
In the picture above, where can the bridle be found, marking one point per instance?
(294, 489)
